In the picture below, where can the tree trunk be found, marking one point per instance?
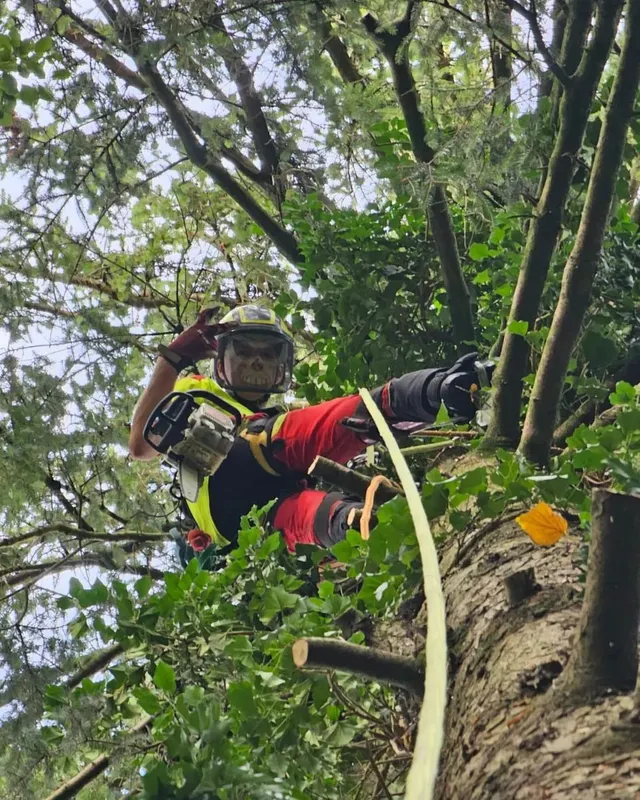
(504, 428)
(510, 733)
(580, 270)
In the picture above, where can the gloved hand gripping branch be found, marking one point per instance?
(413, 400)
(457, 386)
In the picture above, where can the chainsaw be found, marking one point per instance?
(193, 437)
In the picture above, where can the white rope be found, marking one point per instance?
(426, 755)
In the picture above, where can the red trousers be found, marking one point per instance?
(305, 434)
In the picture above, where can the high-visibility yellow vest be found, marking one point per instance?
(200, 509)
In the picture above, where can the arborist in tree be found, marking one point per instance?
(234, 451)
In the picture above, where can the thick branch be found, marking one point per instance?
(559, 17)
(117, 67)
(532, 19)
(629, 372)
(71, 787)
(251, 101)
(94, 664)
(349, 480)
(366, 662)
(581, 267)
(33, 573)
(394, 47)
(504, 427)
(201, 157)
(335, 48)
(605, 651)
(78, 533)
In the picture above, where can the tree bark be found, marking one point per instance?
(504, 428)
(605, 654)
(559, 17)
(580, 270)
(498, 17)
(509, 734)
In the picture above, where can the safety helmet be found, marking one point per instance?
(255, 354)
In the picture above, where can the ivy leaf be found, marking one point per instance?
(240, 697)
(276, 599)
(623, 395)
(164, 677)
(543, 525)
(518, 327)
(478, 251)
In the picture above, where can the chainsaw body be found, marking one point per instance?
(193, 437)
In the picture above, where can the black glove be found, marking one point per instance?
(455, 387)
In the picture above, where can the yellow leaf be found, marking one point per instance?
(544, 525)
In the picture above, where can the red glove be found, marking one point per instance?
(195, 343)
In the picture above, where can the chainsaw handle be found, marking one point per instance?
(176, 419)
(223, 405)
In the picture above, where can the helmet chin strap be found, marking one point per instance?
(257, 404)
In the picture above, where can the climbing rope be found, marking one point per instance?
(426, 756)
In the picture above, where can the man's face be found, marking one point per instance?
(254, 360)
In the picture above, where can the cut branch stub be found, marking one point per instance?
(349, 480)
(366, 662)
(520, 585)
(605, 652)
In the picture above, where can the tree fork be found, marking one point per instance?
(605, 651)
(504, 427)
(582, 265)
(367, 662)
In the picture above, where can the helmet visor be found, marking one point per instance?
(255, 361)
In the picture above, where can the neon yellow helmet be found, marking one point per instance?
(255, 354)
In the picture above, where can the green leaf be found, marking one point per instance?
(240, 697)
(518, 327)
(29, 95)
(43, 46)
(624, 394)
(435, 500)
(9, 85)
(143, 586)
(164, 677)
(325, 589)
(94, 596)
(51, 734)
(443, 415)
(276, 599)
(478, 251)
(343, 551)
(629, 420)
(147, 700)
(54, 697)
(599, 350)
(340, 734)
(473, 481)
(270, 545)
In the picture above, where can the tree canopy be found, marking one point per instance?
(403, 184)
